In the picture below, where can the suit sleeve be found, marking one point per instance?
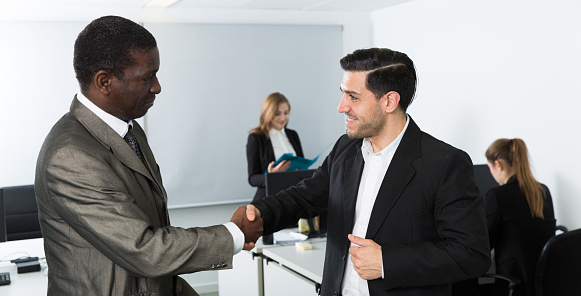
(492, 217)
(89, 195)
(460, 249)
(255, 167)
(307, 199)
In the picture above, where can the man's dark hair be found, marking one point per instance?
(389, 70)
(108, 43)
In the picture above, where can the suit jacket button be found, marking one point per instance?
(343, 260)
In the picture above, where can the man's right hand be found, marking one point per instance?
(252, 229)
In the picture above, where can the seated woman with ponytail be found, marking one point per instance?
(519, 214)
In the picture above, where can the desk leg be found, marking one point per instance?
(260, 261)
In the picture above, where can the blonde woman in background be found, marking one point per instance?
(519, 214)
(269, 141)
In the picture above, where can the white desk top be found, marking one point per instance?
(30, 283)
(260, 245)
(308, 263)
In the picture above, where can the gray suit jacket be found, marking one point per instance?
(104, 218)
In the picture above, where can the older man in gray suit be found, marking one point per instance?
(103, 207)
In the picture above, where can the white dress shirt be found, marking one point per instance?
(280, 143)
(121, 127)
(374, 170)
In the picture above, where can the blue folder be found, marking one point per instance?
(297, 162)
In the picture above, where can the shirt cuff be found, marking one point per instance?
(237, 236)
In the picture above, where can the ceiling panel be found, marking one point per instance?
(282, 4)
(110, 3)
(217, 4)
(350, 5)
(296, 5)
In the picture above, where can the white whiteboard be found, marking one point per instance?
(38, 85)
(214, 78)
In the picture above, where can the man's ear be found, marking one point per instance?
(102, 81)
(391, 101)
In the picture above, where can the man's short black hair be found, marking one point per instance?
(389, 70)
(108, 43)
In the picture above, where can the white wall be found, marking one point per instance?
(486, 70)
(30, 106)
(34, 98)
(494, 69)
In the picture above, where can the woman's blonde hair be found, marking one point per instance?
(268, 112)
(515, 154)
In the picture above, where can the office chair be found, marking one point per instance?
(21, 212)
(559, 267)
(485, 285)
(2, 221)
(560, 229)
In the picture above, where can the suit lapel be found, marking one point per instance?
(398, 176)
(351, 179)
(110, 139)
(269, 151)
(149, 161)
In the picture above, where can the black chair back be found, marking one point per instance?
(559, 267)
(2, 221)
(21, 212)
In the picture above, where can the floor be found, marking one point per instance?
(210, 294)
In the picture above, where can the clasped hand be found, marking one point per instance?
(252, 229)
(366, 257)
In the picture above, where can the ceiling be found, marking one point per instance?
(291, 5)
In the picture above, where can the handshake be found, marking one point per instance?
(249, 220)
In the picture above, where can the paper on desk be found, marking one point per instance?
(288, 237)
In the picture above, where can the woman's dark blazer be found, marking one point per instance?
(516, 237)
(259, 153)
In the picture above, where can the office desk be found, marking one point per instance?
(251, 276)
(30, 283)
(306, 265)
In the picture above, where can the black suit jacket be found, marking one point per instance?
(516, 237)
(428, 216)
(259, 153)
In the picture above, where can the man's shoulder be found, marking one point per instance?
(430, 148)
(432, 143)
(417, 141)
(69, 133)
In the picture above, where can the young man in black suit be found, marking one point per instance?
(404, 214)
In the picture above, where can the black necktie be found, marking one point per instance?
(130, 139)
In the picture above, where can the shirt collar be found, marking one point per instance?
(274, 132)
(119, 126)
(367, 149)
